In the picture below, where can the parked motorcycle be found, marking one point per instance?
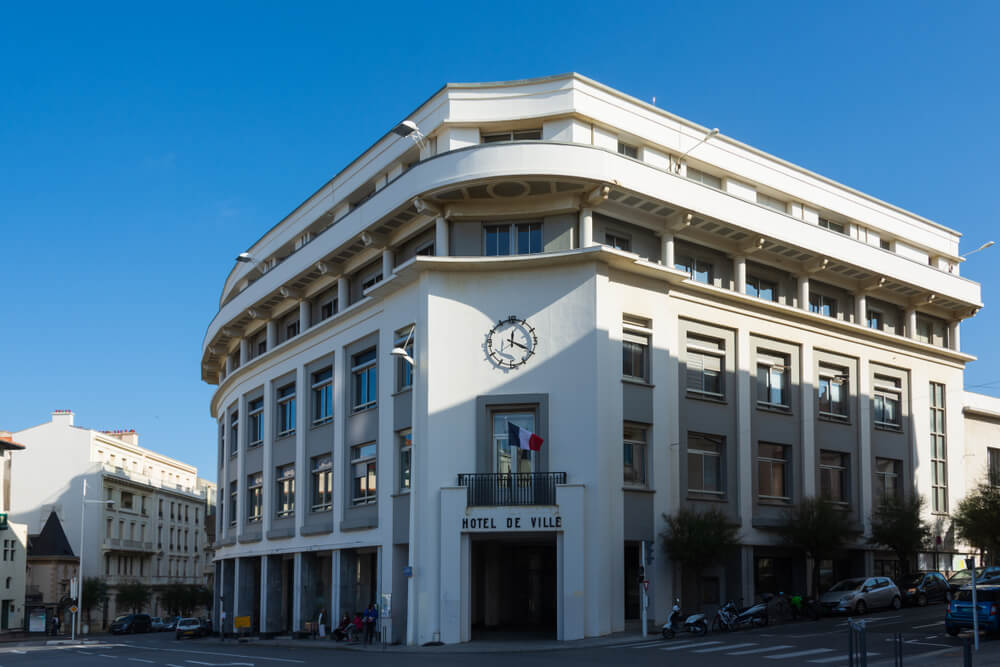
(725, 618)
(755, 615)
(694, 623)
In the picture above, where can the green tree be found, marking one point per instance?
(699, 540)
(977, 520)
(899, 526)
(95, 592)
(134, 595)
(816, 527)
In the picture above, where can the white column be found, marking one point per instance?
(386, 263)
(861, 309)
(667, 249)
(272, 334)
(911, 323)
(804, 292)
(954, 336)
(441, 248)
(229, 364)
(244, 350)
(236, 590)
(297, 592)
(740, 272)
(305, 311)
(586, 227)
(342, 296)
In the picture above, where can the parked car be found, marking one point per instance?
(170, 623)
(984, 575)
(859, 595)
(959, 614)
(156, 624)
(921, 588)
(206, 625)
(188, 627)
(131, 623)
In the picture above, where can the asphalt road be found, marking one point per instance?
(804, 643)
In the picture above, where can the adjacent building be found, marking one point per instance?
(152, 530)
(13, 546)
(683, 319)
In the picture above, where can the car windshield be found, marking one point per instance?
(121, 618)
(963, 575)
(188, 621)
(982, 595)
(848, 585)
(909, 580)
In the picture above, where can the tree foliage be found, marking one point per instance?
(977, 520)
(134, 595)
(182, 600)
(816, 527)
(95, 592)
(899, 526)
(699, 539)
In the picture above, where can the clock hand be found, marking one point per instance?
(523, 347)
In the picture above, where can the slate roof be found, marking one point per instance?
(51, 541)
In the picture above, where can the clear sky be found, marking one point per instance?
(143, 147)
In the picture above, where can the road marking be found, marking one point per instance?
(928, 625)
(914, 641)
(232, 655)
(764, 649)
(667, 642)
(796, 654)
(687, 645)
(141, 660)
(640, 645)
(840, 658)
(105, 655)
(724, 647)
(871, 619)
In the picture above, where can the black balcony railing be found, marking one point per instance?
(497, 489)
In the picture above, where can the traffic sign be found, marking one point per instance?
(73, 609)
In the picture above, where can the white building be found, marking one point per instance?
(153, 532)
(13, 547)
(684, 319)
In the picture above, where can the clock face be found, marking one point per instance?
(511, 342)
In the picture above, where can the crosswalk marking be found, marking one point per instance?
(765, 649)
(687, 645)
(840, 658)
(641, 645)
(797, 654)
(724, 647)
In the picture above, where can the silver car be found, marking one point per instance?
(857, 596)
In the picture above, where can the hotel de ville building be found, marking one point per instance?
(682, 320)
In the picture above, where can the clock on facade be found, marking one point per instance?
(511, 342)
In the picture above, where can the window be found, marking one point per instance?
(322, 394)
(234, 429)
(371, 276)
(886, 399)
(404, 370)
(704, 179)
(772, 478)
(704, 460)
(772, 379)
(634, 455)
(232, 504)
(762, 289)
(286, 409)
(875, 319)
(291, 328)
(328, 309)
(405, 459)
(939, 451)
(833, 476)
(887, 479)
(930, 330)
(822, 304)
(426, 250)
(322, 483)
(771, 202)
(255, 496)
(285, 492)
(363, 473)
(635, 355)
(701, 270)
(705, 361)
(126, 501)
(512, 135)
(833, 388)
(993, 466)
(618, 242)
(258, 345)
(885, 244)
(628, 150)
(832, 226)
(364, 370)
(255, 416)
(523, 238)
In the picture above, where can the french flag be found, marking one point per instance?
(523, 438)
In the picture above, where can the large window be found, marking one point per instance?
(832, 226)
(234, 432)
(404, 370)
(887, 479)
(511, 135)
(286, 409)
(833, 476)
(705, 363)
(635, 455)
(993, 466)
(822, 304)
(762, 289)
(772, 380)
(939, 450)
(322, 483)
(255, 496)
(322, 395)
(772, 472)
(618, 242)
(284, 480)
(701, 270)
(405, 459)
(363, 474)
(886, 402)
(703, 178)
(255, 417)
(364, 370)
(875, 319)
(628, 150)
(705, 457)
(232, 503)
(523, 238)
(635, 355)
(833, 390)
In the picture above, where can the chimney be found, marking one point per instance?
(62, 417)
(128, 436)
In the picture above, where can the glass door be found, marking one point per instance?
(510, 459)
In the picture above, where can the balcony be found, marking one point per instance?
(136, 546)
(511, 489)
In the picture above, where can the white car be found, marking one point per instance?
(188, 627)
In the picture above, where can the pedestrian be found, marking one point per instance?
(55, 625)
(222, 624)
(371, 617)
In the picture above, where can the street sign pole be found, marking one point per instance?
(643, 595)
(971, 564)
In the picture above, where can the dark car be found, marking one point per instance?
(984, 575)
(921, 588)
(959, 614)
(206, 625)
(131, 623)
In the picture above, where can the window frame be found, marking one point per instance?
(829, 377)
(284, 496)
(285, 410)
(233, 501)
(255, 497)
(834, 226)
(993, 466)
(765, 390)
(364, 380)
(756, 282)
(883, 476)
(840, 468)
(939, 448)
(628, 150)
(360, 457)
(509, 135)
(513, 237)
(694, 266)
(703, 177)
(405, 438)
(404, 371)
(771, 461)
(822, 301)
(887, 388)
(234, 432)
(636, 340)
(702, 350)
(636, 445)
(321, 470)
(255, 422)
(322, 395)
(717, 456)
(618, 241)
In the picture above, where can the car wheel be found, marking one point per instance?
(699, 629)
(922, 600)
(952, 631)
(668, 633)
(897, 603)
(860, 608)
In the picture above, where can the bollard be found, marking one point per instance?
(967, 653)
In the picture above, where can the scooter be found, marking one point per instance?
(695, 623)
(755, 615)
(725, 618)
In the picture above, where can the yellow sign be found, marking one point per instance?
(73, 609)
(241, 622)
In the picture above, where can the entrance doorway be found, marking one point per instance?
(632, 565)
(513, 586)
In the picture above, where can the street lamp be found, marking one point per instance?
(410, 593)
(982, 247)
(78, 621)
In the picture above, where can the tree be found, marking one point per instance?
(899, 526)
(977, 520)
(134, 596)
(816, 527)
(699, 540)
(95, 591)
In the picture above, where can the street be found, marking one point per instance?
(802, 643)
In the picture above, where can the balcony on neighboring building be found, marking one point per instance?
(134, 546)
(509, 489)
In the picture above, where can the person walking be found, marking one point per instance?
(371, 617)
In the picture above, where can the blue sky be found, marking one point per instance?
(142, 148)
